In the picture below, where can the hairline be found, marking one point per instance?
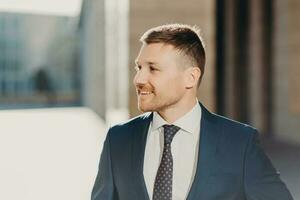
(181, 52)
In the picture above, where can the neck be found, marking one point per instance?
(171, 114)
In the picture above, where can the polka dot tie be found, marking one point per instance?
(164, 177)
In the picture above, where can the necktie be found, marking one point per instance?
(164, 177)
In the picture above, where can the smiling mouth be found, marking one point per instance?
(144, 93)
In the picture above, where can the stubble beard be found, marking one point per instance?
(156, 105)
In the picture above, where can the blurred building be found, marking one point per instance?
(286, 70)
(258, 78)
(11, 56)
(38, 60)
(104, 48)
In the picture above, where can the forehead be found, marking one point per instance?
(157, 52)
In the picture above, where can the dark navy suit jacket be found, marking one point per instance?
(231, 163)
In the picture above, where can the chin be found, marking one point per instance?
(142, 109)
(145, 108)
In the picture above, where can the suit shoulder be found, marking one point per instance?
(133, 122)
(231, 125)
(233, 134)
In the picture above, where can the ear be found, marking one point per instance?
(192, 77)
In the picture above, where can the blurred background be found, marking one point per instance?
(66, 72)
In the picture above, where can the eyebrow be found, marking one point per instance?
(149, 63)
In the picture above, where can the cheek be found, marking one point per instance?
(167, 84)
(171, 87)
(134, 79)
(178, 83)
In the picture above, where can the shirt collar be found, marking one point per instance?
(186, 122)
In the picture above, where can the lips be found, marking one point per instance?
(144, 92)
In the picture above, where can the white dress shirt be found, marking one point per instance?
(184, 149)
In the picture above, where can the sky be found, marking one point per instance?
(55, 7)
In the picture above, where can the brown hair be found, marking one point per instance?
(183, 37)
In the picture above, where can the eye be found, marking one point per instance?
(152, 68)
(137, 67)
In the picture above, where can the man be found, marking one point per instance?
(179, 150)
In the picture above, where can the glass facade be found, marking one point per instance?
(38, 60)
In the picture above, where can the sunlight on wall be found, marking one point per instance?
(49, 153)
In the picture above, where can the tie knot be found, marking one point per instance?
(169, 133)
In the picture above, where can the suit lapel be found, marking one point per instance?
(209, 134)
(138, 151)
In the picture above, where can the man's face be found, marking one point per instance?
(159, 80)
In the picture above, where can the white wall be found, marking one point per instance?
(49, 154)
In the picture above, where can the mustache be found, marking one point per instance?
(144, 87)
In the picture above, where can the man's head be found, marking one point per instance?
(169, 67)
(184, 38)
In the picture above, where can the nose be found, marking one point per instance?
(140, 78)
